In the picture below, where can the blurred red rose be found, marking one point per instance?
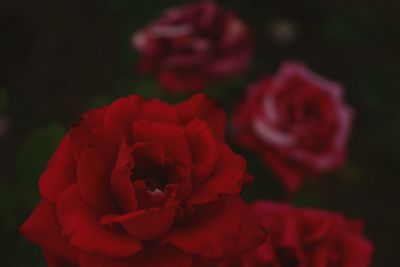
(298, 123)
(193, 45)
(307, 238)
(141, 183)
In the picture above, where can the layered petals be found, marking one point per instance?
(153, 255)
(60, 171)
(227, 178)
(201, 107)
(216, 229)
(43, 229)
(147, 224)
(82, 227)
(95, 167)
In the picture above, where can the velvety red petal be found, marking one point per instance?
(95, 167)
(147, 224)
(228, 177)
(53, 260)
(123, 112)
(81, 132)
(81, 225)
(95, 260)
(171, 137)
(151, 256)
(60, 171)
(120, 182)
(356, 251)
(218, 229)
(204, 150)
(201, 107)
(155, 110)
(43, 229)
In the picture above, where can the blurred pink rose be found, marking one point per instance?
(192, 45)
(298, 123)
(306, 238)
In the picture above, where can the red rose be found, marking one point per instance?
(307, 238)
(141, 183)
(192, 45)
(298, 123)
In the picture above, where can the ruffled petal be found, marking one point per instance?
(123, 112)
(147, 224)
(81, 225)
(228, 177)
(151, 256)
(171, 137)
(201, 107)
(204, 150)
(82, 131)
(43, 229)
(157, 111)
(226, 227)
(53, 260)
(120, 182)
(60, 172)
(95, 168)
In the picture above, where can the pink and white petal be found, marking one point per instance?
(81, 225)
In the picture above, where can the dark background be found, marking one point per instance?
(59, 58)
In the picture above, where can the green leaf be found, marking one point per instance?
(31, 161)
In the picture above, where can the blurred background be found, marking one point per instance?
(59, 58)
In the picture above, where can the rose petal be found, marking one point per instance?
(223, 227)
(155, 110)
(151, 256)
(171, 137)
(120, 181)
(95, 167)
(123, 112)
(53, 260)
(147, 224)
(43, 229)
(204, 150)
(60, 171)
(81, 132)
(80, 224)
(201, 107)
(228, 177)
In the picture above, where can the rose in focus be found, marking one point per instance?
(306, 238)
(297, 122)
(190, 46)
(144, 183)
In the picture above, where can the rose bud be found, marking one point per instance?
(306, 237)
(297, 122)
(144, 183)
(190, 46)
